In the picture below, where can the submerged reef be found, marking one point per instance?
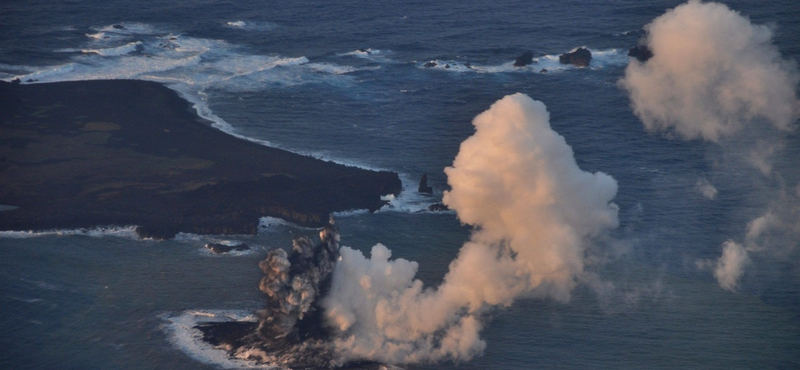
(123, 152)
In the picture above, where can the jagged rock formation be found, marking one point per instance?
(641, 52)
(423, 185)
(524, 59)
(580, 57)
(438, 207)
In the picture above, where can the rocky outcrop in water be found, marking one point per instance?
(423, 185)
(580, 57)
(438, 207)
(641, 52)
(223, 248)
(524, 59)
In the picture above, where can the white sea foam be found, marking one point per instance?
(239, 24)
(268, 224)
(507, 67)
(199, 102)
(200, 242)
(187, 65)
(447, 65)
(410, 199)
(130, 28)
(182, 334)
(251, 25)
(121, 32)
(114, 51)
(545, 63)
(354, 212)
(97, 35)
(332, 68)
(362, 52)
(128, 232)
(375, 55)
(608, 58)
(233, 253)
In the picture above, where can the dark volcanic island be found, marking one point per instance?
(120, 152)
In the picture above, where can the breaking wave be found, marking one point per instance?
(372, 55)
(127, 232)
(410, 200)
(191, 66)
(108, 52)
(251, 25)
(180, 328)
(542, 64)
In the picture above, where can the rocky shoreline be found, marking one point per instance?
(124, 152)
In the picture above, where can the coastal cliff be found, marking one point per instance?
(124, 152)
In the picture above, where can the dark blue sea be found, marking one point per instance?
(348, 82)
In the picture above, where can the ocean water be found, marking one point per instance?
(347, 82)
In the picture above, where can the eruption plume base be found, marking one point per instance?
(289, 332)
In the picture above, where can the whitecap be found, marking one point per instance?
(251, 25)
(129, 28)
(267, 223)
(375, 55)
(447, 65)
(127, 232)
(97, 35)
(469, 67)
(507, 67)
(600, 59)
(115, 51)
(331, 68)
(27, 300)
(542, 64)
(350, 213)
(270, 224)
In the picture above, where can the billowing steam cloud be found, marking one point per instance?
(516, 181)
(714, 74)
(729, 268)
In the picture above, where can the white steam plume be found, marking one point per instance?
(712, 73)
(706, 188)
(534, 212)
(729, 268)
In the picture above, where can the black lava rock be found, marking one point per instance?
(641, 52)
(524, 59)
(580, 57)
